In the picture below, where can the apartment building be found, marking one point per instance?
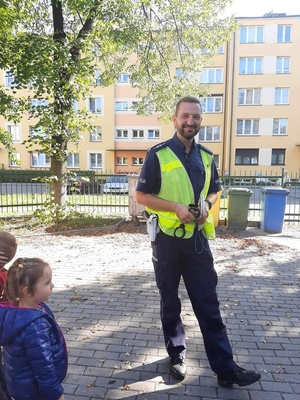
(250, 121)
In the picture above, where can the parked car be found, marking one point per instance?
(116, 184)
(75, 184)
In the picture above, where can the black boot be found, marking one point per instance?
(239, 376)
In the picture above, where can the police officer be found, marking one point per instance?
(175, 176)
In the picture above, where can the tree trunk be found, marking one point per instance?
(58, 186)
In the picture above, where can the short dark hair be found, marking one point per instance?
(187, 99)
(8, 245)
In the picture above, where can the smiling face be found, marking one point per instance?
(187, 120)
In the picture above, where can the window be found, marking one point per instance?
(137, 161)
(278, 157)
(137, 133)
(73, 160)
(246, 157)
(9, 79)
(121, 105)
(134, 105)
(279, 126)
(15, 105)
(96, 134)
(95, 105)
(95, 160)
(123, 78)
(281, 95)
(97, 77)
(283, 33)
(16, 161)
(217, 160)
(38, 104)
(37, 132)
(75, 106)
(209, 134)
(247, 127)
(178, 72)
(211, 104)
(249, 96)
(153, 134)
(251, 65)
(252, 34)
(40, 160)
(14, 130)
(212, 75)
(122, 134)
(282, 65)
(122, 161)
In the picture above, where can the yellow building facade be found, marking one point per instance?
(250, 121)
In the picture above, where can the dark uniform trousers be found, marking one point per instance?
(191, 259)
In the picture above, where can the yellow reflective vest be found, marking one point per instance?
(177, 187)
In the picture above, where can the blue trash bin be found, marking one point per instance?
(273, 201)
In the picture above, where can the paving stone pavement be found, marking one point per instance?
(107, 304)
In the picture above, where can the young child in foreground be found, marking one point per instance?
(34, 349)
(8, 248)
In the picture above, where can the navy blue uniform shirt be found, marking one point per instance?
(150, 177)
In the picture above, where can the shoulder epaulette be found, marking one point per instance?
(200, 146)
(158, 146)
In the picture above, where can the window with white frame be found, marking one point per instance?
(279, 126)
(121, 105)
(153, 134)
(123, 78)
(138, 134)
(97, 77)
(95, 160)
(134, 105)
(211, 104)
(75, 105)
(249, 96)
(122, 161)
(73, 160)
(95, 105)
(121, 133)
(250, 65)
(252, 34)
(40, 160)
(209, 134)
(278, 157)
(211, 75)
(137, 161)
(284, 33)
(9, 79)
(15, 162)
(246, 157)
(14, 130)
(178, 72)
(282, 65)
(96, 134)
(281, 95)
(247, 127)
(15, 105)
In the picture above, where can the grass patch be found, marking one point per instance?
(22, 226)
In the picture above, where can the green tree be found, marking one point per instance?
(54, 47)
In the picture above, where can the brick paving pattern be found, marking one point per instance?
(106, 301)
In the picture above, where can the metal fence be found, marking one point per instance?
(22, 194)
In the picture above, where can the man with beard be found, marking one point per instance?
(175, 176)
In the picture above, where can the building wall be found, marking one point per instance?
(240, 114)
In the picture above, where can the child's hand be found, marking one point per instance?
(3, 259)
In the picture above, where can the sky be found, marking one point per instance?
(257, 8)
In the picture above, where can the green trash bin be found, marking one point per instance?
(238, 207)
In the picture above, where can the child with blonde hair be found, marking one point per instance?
(34, 349)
